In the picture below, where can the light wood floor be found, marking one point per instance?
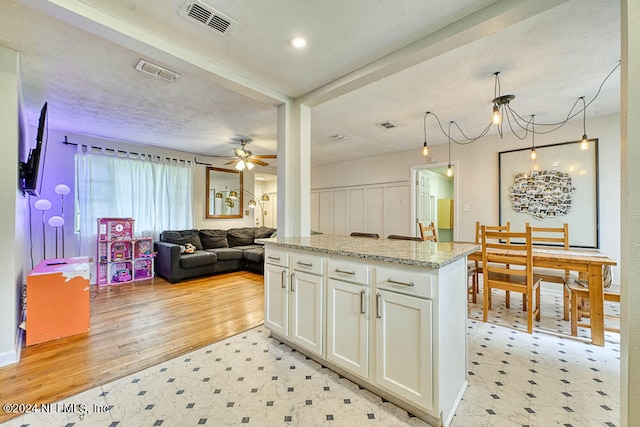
(133, 327)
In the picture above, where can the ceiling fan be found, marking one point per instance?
(246, 159)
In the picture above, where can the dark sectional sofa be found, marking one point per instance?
(217, 251)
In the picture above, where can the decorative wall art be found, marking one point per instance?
(542, 194)
(560, 185)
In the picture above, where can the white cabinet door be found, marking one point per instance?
(404, 364)
(276, 299)
(347, 327)
(306, 311)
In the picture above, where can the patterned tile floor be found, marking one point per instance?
(515, 379)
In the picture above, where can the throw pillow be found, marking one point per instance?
(182, 237)
(264, 232)
(240, 236)
(213, 239)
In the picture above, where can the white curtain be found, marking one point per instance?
(157, 194)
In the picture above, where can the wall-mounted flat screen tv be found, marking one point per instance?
(32, 171)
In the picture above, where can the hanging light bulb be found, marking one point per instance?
(495, 118)
(584, 143)
(240, 165)
(449, 167)
(533, 138)
(425, 148)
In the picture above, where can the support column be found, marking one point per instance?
(630, 215)
(294, 164)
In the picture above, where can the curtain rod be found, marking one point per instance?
(115, 150)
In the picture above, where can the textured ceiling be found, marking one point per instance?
(80, 57)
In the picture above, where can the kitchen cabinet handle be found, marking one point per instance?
(362, 302)
(395, 282)
(305, 264)
(378, 313)
(352, 273)
(284, 286)
(292, 288)
(275, 258)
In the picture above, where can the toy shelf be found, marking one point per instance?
(122, 258)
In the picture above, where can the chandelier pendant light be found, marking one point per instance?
(533, 137)
(584, 143)
(519, 127)
(425, 148)
(499, 103)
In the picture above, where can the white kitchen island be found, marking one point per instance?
(390, 315)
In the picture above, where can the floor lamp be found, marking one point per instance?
(57, 222)
(62, 190)
(43, 205)
(252, 203)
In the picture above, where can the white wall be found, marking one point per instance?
(477, 175)
(12, 203)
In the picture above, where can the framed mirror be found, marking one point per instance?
(224, 193)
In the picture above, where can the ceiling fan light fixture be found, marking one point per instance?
(240, 165)
(250, 165)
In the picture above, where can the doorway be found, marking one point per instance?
(433, 199)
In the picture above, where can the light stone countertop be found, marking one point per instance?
(423, 254)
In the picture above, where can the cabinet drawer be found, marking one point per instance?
(276, 257)
(406, 282)
(305, 262)
(349, 271)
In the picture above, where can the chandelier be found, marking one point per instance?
(502, 112)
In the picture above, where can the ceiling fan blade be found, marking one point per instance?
(257, 162)
(232, 161)
(266, 156)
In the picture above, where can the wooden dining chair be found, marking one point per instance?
(368, 235)
(474, 268)
(579, 296)
(428, 232)
(398, 237)
(558, 236)
(509, 266)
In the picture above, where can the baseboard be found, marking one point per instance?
(11, 357)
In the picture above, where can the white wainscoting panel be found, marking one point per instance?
(377, 208)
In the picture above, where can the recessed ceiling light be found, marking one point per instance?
(298, 42)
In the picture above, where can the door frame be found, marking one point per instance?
(456, 193)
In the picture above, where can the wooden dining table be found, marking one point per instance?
(588, 263)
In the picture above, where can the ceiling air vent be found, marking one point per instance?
(387, 125)
(338, 138)
(204, 15)
(156, 70)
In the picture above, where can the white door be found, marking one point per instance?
(347, 327)
(404, 364)
(276, 299)
(424, 200)
(306, 311)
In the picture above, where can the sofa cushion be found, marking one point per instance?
(264, 232)
(225, 254)
(254, 255)
(197, 259)
(246, 247)
(182, 237)
(212, 239)
(241, 236)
